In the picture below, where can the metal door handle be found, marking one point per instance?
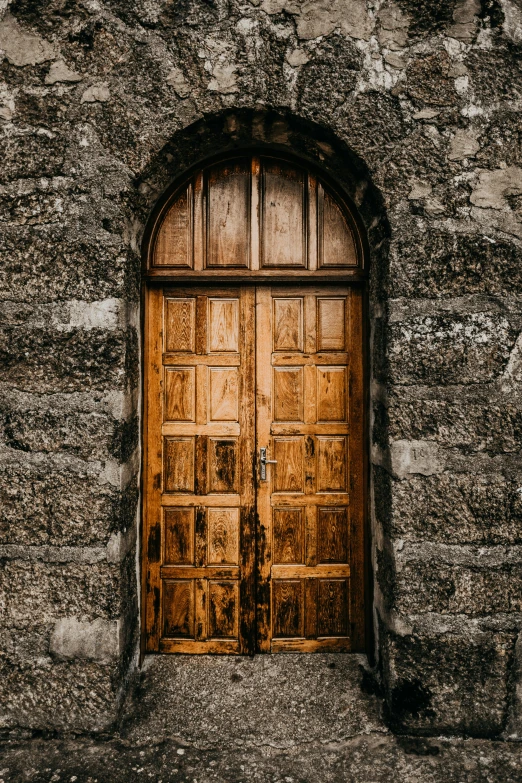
(263, 462)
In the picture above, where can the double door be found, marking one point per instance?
(253, 533)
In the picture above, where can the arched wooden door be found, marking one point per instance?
(253, 509)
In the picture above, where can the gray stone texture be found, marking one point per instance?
(274, 719)
(413, 106)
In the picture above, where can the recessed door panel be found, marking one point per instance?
(239, 559)
(199, 493)
(309, 504)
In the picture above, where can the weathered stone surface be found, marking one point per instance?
(96, 640)
(428, 80)
(474, 419)
(457, 589)
(450, 349)
(438, 263)
(353, 759)
(50, 591)
(414, 456)
(428, 17)
(20, 47)
(47, 695)
(495, 187)
(326, 80)
(60, 72)
(463, 145)
(411, 107)
(53, 502)
(280, 686)
(49, 263)
(215, 745)
(42, 360)
(460, 509)
(440, 695)
(90, 435)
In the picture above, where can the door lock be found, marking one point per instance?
(263, 462)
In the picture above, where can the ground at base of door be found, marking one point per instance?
(268, 719)
(362, 759)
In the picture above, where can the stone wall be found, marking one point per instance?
(415, 108)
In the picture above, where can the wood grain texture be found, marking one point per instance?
(332, 535)
(180, 324)
(180, 394)
(228, 214)
(223, 600)
(332, 607)
(288, 607)
(178, 608)
(223, 325)
(223, 536)
(254, 214)
(223, 394)
(179, 464)
(288, 394)
(200, 514)
(288, 535)
(230, 369)
(303, 383)
(337, 246)
(179, 536)
(173, 246)
(283, 215)
(289, 471)
(288, 324)
(331, 324)
(331, 394)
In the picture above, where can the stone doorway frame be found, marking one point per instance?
(314, 148)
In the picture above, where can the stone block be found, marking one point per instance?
(51, 262)
(447, 683)
(333, 71)
(435, 262)
(69, 696)
(428, 80)
(61, 502)
(89, 435)
(451, 508)
(35, 155)
(481, 420)
(377, 123)
(97, 640)
(414, 456)
(48, 360)
(47, 592)
(513, 729)
(435, 586)
(445, 349)
(500, 142)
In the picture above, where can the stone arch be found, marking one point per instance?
(233, 131)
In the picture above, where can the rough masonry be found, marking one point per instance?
(415, 107)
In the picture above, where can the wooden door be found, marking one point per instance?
(199, 537)
(222, 364)
(309, 401)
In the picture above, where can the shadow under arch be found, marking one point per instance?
(273, 131)
(235, 131)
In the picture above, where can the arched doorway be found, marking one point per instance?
(254, 416)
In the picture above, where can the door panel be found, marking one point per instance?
(230, 371)
(199, 514)
(309, 406)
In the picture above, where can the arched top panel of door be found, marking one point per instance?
(258, 217)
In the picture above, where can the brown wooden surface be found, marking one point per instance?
(256, 215)
(309, 416)
(230, 368)
(199, 506)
